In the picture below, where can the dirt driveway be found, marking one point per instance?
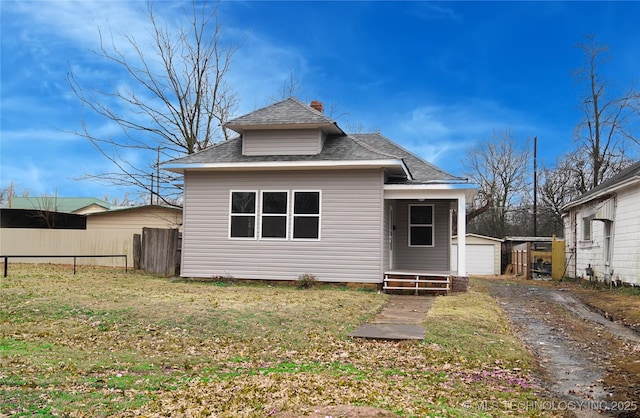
(588, 361)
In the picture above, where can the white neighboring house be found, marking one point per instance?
(602, 230)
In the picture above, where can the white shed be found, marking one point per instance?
(483, 254)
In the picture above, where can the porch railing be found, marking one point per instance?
(417, 282)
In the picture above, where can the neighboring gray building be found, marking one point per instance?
(295, 194)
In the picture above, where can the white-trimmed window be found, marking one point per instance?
(306, 215)
(274, 214)
(420, 225)
(586, 227)
(242, 219)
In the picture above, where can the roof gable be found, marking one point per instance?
(291, 113)
(422, 171)
(57, 204)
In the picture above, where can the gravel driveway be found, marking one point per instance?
(579, 352)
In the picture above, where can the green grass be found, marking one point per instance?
(106, 343)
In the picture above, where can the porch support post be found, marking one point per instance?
(462, 232)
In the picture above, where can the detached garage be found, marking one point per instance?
(483, 254)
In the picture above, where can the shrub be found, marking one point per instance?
(224, 279)
(306, 281)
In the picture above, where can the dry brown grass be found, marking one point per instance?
(106, 343)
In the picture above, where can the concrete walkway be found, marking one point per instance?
(400, 319)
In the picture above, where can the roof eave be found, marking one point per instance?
(287, 165)
(601, 193)
(330, 128)
(435, 191)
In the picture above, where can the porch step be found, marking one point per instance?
(417, 282)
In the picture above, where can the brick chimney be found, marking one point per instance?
(317, 105)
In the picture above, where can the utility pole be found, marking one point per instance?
(158, 177)
(11, 194)
(535, 186)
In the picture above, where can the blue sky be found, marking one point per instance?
(435, 77)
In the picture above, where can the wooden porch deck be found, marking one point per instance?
(416, 281)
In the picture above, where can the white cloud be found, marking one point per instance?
(261, 67)
(441, 133)
(77, 22)
(432, 11)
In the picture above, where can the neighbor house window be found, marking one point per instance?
(306, 215)
(586, 228)
(274, 215)
(243, 215)
(420, 225)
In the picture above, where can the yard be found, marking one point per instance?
(105, 343)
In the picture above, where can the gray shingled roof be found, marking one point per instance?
(357, 147)
(287, 112)
(421, 170)
(626, 174)
(337, 147)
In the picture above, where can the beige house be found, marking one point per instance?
(133, 219)
(107, 233)
(294, 194)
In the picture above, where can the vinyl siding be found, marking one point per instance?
(434, 258)
(282, 142)
(349, 249)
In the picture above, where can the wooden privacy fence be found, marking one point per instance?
(528, 262)
(157, 251)
(521, 260)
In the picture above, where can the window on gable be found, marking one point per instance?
(306, 215)
(420, 225)
(274, 215)
(243, 215)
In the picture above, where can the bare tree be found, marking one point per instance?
(499, 167)
(6, 195)
(291, 87)
(173, 102)
(46, 209)
(556, 188)
(607, 124)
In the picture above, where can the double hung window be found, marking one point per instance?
(586, 228)
(279, 217)
(306, 215)
(421, 225)
(274, 215)
(243, 215)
